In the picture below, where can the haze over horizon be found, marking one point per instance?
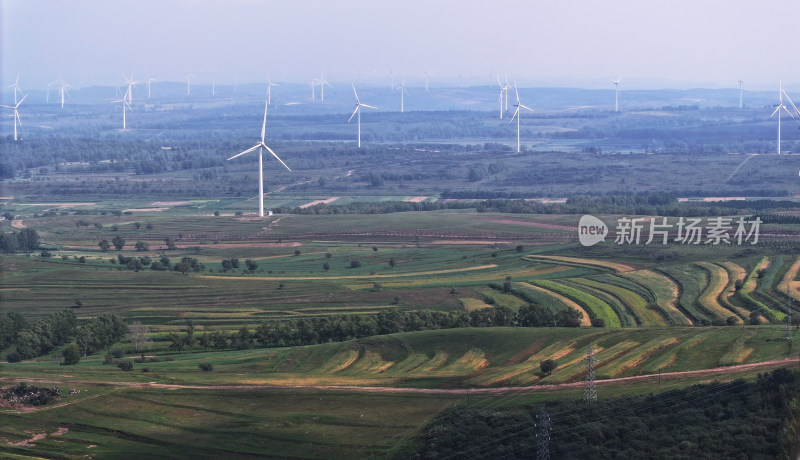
(580, 43)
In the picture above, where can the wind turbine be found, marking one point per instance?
(269, 92)
(321, 82)
(518, 113)
(15, 107)
(62, 88)
(402, 89)
(131, 85)
(781, 92)
(616, 93)
(259, 146)
(189, 83)
(125, 104)
(503, 90)
(358, 111)
(740, 93)
(426, 80)
(16, 89)
(314, 83)
(148, 86)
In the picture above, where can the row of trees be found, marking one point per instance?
(26, 240)
(48, 333)
(340, 328)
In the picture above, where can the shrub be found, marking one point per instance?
(14, 357)
(206, 367)
(548, 366)
(125, 366)
(71, 354)
(355, 264)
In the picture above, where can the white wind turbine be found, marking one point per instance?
(781, 93)
(269, 92)
(358, 111)
(322, 82)
(16, 89)
(740, 93)
(15, 107)
(149, 80)
(259, 146)
(518, 113)
(125, 105)
(503, 90)
(62, 88)
(426, 80)
(131, 85)
(616, 93)
(402, 89)
(189, 76)
(314, 83)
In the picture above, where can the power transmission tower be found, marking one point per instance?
(788, 333)
(590, 395)
(543, 435)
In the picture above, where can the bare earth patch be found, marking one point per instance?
(145, 209)
(316, 202)
(168, 203)
(61, 205)
(417, 199)
(530, 224)
(17, 224)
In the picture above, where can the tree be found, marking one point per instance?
(170, 242)
(28, 239)
(104, 245)
(326, 266)
(142, 246)
(548, 366)
(251, 264)
(139, 336)
(149, 226)
(138, 225)
(391, 263)
(115, 227)
(118, 242)
(176, 341)
(355, 264)
(126, 366)
(71, 354)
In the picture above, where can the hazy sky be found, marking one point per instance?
(584, 43)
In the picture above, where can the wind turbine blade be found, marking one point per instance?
(776, 111)
(516, 113)
(526, 107)
(517, 92)
(791, 102)
(354, 92)
(787, 111)
(354, 112)
(368, 106)
(264, 124)
(246, 151)
(275, 155)
(23, 98)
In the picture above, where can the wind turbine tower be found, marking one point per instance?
(62, 88)
(131, 85)
(518, 114)
(17, 121)
(322, 82)
(189, 83)
(125, 105)
(616, 93)
(402, 89)
(148, 86)
(358, 111)
(740, 93)
(269, 92)
(261, 145)
(781, 92)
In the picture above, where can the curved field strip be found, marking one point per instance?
(665, 292)
(577, 368)
(619, 280)
(765, 284)
(585, 320)
(737, 353)
(736, 273)
(473, 304)
(748, 290)
(598, 308)
(467, 363)
(339, 362)
(370, 363)
(575, 261)
(692, 281)
(638, 356)
(635, 302)
(411, 364)
(751, 282)
(434, 363)
(718, 281)
(788, 281)
(534, 374)
(555, 351)
(626, 318)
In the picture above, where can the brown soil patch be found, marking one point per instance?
(493, 242)
(365, 275)
(530, 224)
(417, 199)
(316, 202)
(60, 205)
(145, 209)
(17, 224)
(168, 203)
